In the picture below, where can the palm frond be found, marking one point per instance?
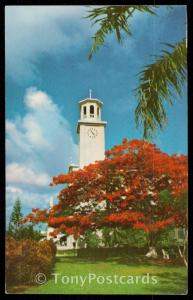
(113, 19)
(158, 83)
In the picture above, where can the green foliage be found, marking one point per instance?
(166, 198)
(117, 237)
(91, 239)
(157, 84)
(136, 238)
(180, 204)
(167, 239)
(19, 231)
(14, 225)
(113, 237)
(26, 258)
(114, 19)
(28, 232)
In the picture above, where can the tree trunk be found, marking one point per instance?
(183, 252)
(165, 254)
(184, 248)
(152, 253)
(152, 238)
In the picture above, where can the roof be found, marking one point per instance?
(91, 100)
(72, 167)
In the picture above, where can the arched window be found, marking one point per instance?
(84, 111)
(92, 111)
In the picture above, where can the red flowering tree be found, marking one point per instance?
(123, 190)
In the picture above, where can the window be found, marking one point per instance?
(84, 111)
(97, 111)
(63, 241)
(92, 111)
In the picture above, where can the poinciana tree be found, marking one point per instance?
(125, 190)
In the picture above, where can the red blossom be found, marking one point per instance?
(129, 180)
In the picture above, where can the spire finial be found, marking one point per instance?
(90, 94)
(51, 202)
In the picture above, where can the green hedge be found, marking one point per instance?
(102, 253)
(69, 252)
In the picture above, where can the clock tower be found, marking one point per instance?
(91, 130)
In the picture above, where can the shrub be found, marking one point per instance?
(26, 258)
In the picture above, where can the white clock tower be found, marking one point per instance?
(91, 132)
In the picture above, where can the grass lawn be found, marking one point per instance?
(170, 279)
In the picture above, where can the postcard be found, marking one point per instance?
(96, 149)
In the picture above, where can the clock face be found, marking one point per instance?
(92, 132)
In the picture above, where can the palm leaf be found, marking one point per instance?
(157, 84)
(113, 19)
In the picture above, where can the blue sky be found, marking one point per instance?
(48, 72)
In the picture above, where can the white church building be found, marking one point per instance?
(91, 131)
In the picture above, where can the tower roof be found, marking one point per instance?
(91, 100)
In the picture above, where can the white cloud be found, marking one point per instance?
(35, 99)
(28, 199)
(39, 145)
(33, 140)
(13, 189)
(34, 132)
(31, 31)
(21, 174)
(34, 31)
